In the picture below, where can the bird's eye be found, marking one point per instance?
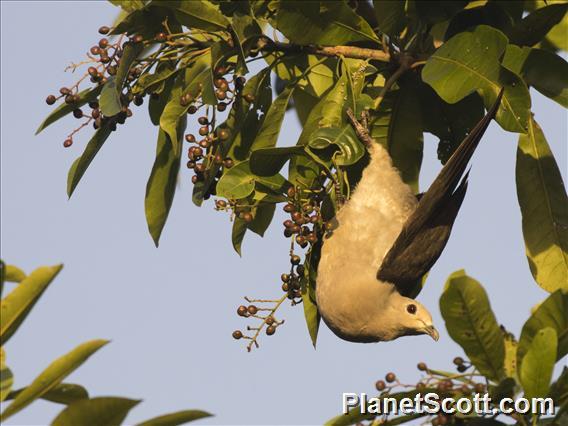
(411, 309)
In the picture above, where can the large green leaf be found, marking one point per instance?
(538, 364)
(534, 27)
(80, 165)
(177, 418)
(85, 96)
(63, 393)
(161, 186)
(350, 148)
(544, 207)
(129, 5)
(468, 62)
(545, 71)
(197, 14)
(52, 376)
(553, 312)
(6, 377)
(17, 305)
(327, 23)
(491, 13)
(472, 324)
(101, 411)
(269, 161)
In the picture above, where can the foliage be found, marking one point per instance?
(497, 363)
(80, 408)
(416, 67)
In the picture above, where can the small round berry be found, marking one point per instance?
(192, 109)
(223, 134)
(190, 138)
(95, 50)
(203, 120)
(380, 385)
(104, 30)
(237, 334)
(204, 130)
(247, 217)
(242, 311)
(390, 377)
(252, 309)
(67, 142)
(295, 259)
(458, 360)
(50, 100)
(103, 43)
(462, 368)
(221, 106)
(65, 91)
(228, 163)
(77, 113)
(269, 320)
(270, 330)
(138, 100)
(249, 98)
(422, 366)
(161, 37)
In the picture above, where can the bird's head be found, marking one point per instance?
(413, 318)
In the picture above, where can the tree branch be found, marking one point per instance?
(268, 45)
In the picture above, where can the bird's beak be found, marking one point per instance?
(432, 332)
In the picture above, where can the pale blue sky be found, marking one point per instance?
(170, 311)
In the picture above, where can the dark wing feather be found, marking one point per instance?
(427, 230)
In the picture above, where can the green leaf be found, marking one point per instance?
(308, 283)
(109, 101)
(6, 377)
(544, 207)
(161, 186)
(238, 234)
(148, 82)
(301, 22)
(85, 96)
(177, 418)
(545, 71)
(269, 161)
(538, 364)
(101, 411)
(184, 83)
(262, 218)
(553, 312)
(471, 323)
(267, 135)
(130, 53)
(158, 102)
(350, 149)
(14, 274)
(129, 5)
(534, 27)
(559, 389)
(390, 16)
(437, 11)
(237, 182)
(52, 376)
(469, 62)
(510, 362)
(63, 393)
(18, 303)
(197, 14)
(451, 123)
(405, 140)
(491, 14)
(80, 165)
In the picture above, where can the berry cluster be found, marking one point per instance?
(444, 383)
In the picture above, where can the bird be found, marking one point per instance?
(385, 239)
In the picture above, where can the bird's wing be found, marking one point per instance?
(426, 232)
